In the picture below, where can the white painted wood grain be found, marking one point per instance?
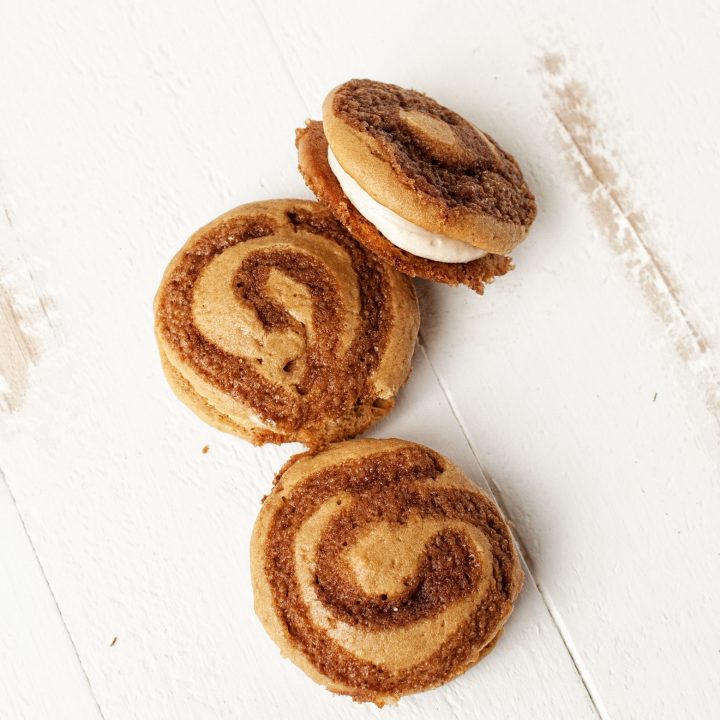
(40, 674)
(132, 125)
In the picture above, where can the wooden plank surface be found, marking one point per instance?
(585, 383)
(42, 675)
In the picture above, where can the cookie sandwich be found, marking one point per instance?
(418, 185)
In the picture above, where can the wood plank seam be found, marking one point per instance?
(91, 690)
(580, 668)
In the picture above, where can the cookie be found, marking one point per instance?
(418, 185)
(380, 569)
(274, 324)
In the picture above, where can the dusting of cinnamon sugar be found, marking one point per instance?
(18, 353)
(388, 487)
(471, 172)
(624, 225)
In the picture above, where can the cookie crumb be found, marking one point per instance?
(205, 449)
(114, 640)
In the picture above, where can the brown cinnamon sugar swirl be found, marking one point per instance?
(380, 569)
(273, 323)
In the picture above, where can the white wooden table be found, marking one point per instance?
(586, 384)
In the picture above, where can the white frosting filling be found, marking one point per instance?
(398, 230)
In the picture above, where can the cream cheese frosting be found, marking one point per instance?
(399, 231)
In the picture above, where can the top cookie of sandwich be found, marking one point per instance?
(428, 164)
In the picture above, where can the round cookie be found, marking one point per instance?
(427, 166)
(380, 569)
(274, 324)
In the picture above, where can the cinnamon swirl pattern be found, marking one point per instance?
(273, 323)
(380, 569)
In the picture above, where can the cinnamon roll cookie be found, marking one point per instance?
(380, 569)
(418, 185)
(273, 323)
